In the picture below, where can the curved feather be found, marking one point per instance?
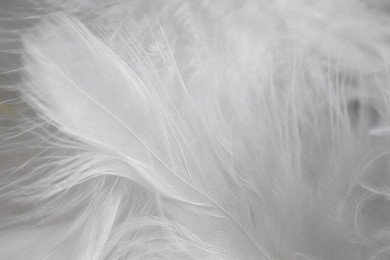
(89, 92)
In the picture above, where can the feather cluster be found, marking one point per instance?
(196, 130)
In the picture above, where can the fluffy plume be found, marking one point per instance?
(196, 130)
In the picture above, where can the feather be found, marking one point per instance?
(162, 137)
(128, 119)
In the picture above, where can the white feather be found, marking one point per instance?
(208, 130)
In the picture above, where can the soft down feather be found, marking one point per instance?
(200, 130)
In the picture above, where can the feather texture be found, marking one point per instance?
(159, 136)
(108, 105)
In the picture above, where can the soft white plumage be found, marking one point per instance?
(197, 130)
